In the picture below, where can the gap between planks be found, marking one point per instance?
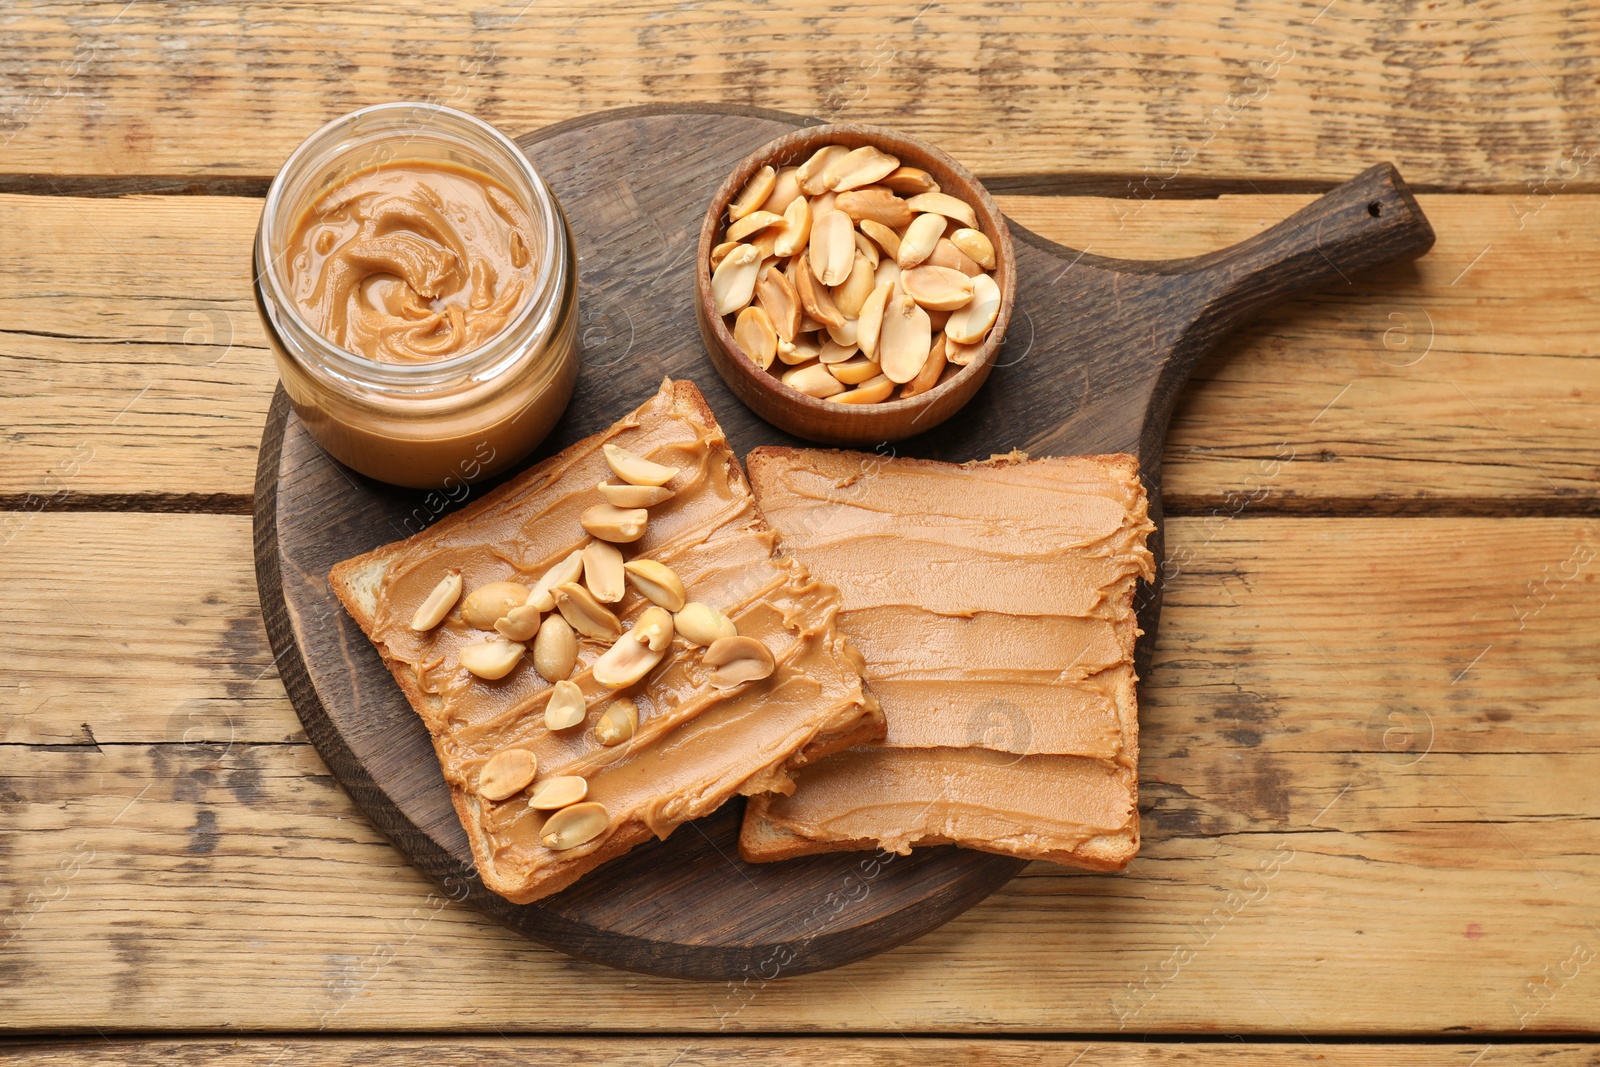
(1178, 505)
(1110, 184)
(893, 1050)
(1108, 1040)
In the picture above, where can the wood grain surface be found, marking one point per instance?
(241, 888)
(1423, 386)
(1440, 665)
(1482, 95)
(854, 1052)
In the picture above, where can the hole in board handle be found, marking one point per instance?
(1375, 209)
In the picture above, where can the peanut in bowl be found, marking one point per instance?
(869, 310)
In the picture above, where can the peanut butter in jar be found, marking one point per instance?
(412, 262)
(418, 285)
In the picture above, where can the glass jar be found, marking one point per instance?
(425, 425)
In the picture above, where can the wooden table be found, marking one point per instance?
(1371, 772)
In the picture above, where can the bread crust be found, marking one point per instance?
(761, 841)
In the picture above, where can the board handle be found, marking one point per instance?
(1370, 220)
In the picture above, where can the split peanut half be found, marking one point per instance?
(906, 337)
(702, 624)
(804, 349)
(928, 376)
(754, 222)
(754, 334)
(854, 371)
(617, 723)
(553, 794)
(865, 246)
(872, 391)
(631, 496)
(775, 295)
(611, 523)
(520, 623)
(656, 582)
(974, 244)
(937, 288)
(909, 181)
(734, 280)
(636, 652)
(813, 172)
(946, 205)
(626, 662)
(946, 254)
(736, 660)
(879, 205)
(636, 470)
(506, 774)
(833, 248)
(813, 379)
(919, 239)
(432, 611)
(970, 323)
(785, 190)
(835, 351)
(568, 570)
(852, 293)
(574, 826)
(655, 628)
(886, 239)
(491, 660)
(566, 707)
(754, 194)
(586, 614)
(862, 166)
(602, 571)
(795, 229)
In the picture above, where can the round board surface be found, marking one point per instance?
(1092, 364)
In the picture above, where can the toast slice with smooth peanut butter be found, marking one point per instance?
(993, 605)
(651, 755)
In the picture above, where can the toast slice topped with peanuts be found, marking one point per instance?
(608, 646)
(993, 605)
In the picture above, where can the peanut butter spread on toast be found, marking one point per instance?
(993, 605)
(695, 745)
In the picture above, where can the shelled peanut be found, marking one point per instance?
(582, 594)
(854, 279)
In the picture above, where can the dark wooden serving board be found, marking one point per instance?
(1097, 352)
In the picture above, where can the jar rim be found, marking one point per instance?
(297, 173)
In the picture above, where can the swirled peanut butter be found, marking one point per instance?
(695, 745)
(412, 262)
(993, 605)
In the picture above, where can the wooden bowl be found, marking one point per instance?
(821, 420)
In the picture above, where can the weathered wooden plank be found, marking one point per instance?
(173, 887)
(1417, 387)
(1425, 382)
(328, 1051)
(1483, 97)
(131, 356)
(1369, 805)
(134, 627)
